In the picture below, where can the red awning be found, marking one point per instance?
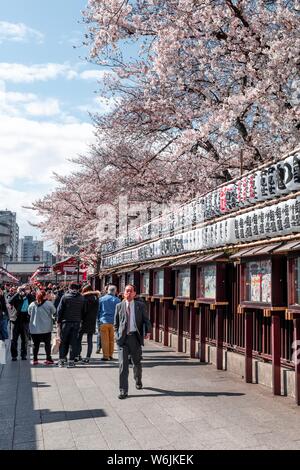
(4, 272)
(70, 266)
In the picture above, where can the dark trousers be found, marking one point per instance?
(89, 343)
(19, 328)
(3, 328)
(69, 338)
(37, 340)
(133, 348)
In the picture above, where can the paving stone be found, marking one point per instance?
(92, 442)
(34, 445)
(184, 405)
(27, 433)
(5, 444)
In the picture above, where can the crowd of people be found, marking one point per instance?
(59, 316)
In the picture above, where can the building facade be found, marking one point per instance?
(48, 258)
(31, 250)
(9, 236)
(221, 275)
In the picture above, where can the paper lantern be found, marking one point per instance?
(254, 224)
(280, 179)
(207, 207)
(294, 214)
(198, 236)
(199, 210)
(283, 218)
(244, 191)
(264, 184)
(229, 232)
(252, 192)
(271, 176)
(292, 172)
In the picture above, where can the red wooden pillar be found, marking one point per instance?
(156, 310)
(219, 337)
(152, 306)
(166, 322)
(248, 345)
(192, 332)
(275, 332)
(202, 334)
(297, 358)
(179, 313)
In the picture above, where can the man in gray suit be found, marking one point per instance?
(130, 325)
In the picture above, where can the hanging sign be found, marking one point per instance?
(270, 182)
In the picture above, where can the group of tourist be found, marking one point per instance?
(31, 313)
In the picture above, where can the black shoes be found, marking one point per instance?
(104, 359)
(24, 358)
(14, 359)
(139, 386)
(85, 361)
(111, 358)
(123, 395)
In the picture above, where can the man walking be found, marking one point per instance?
(131, 323)
(69, 316)
(107, 308)
(20, 326)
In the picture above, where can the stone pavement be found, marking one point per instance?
(184, 405)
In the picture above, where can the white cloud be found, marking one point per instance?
(20, 73)
(100, 105)
(30, 151)
(18, 32)
(94, 74)
(15, 104)
(49, 107)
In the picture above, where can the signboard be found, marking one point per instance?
(273, 181)
(258, 224)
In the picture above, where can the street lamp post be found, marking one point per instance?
(78, 268)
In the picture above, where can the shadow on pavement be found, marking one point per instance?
(40, 384)
(56, 416)
(171, 393)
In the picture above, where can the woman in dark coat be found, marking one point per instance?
(88, 321)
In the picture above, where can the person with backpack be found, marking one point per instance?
(88, 321)
(69, 316)
(20, 326)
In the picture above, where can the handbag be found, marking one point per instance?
(12, 313)
(55, 346)
(2, 352)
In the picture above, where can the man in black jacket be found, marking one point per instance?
(20, 327)
(69, 317)
(3, 317)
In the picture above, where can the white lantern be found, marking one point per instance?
(229, 232)
(280, 179)
(292, 172)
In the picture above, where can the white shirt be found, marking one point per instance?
(132, 325)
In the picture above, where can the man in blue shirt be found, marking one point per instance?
(107, 308)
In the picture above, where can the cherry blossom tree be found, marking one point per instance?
(214, 79)
(204, 89)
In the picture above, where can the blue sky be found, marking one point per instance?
(46, 88)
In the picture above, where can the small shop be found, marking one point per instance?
(213, 288)
(161, 309)
(184, 275)
(263, 302)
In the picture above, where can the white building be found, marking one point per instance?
(31, 250)
(9, 235)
